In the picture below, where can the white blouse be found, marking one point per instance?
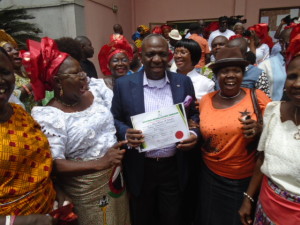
(81, 135)
(282, 151)
(262, 53)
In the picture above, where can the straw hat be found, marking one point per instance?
(174, 34)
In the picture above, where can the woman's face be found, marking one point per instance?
(230, 79)
(183, 59)
(72, 80)
(238, 29)
(165, 33)
(292, 84)
(14, 55)
(7, 79)
(119, 65)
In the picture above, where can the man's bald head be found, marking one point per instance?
(238, 42)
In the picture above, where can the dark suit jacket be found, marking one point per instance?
(128, 100)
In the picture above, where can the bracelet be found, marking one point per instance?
(7, 220)
(12, 220)
(249, 197)
(27, 89)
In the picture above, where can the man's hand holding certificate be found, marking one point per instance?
(157, 129)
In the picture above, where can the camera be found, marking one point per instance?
(246, 33)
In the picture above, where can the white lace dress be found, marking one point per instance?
(81, 135)
(86, 135)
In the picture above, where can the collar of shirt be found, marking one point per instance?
(156, 83)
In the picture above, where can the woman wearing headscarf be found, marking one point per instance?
(81, 133)
(25, 160)
(114, 60)
(278, 167)
(260, 41)
(140, 34)
(230, 128)
(23, 89)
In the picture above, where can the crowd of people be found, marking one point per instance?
(69, 153)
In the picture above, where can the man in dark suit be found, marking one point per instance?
(157, 178)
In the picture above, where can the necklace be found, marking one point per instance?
(297, 135)
(222, 96)
(65, 104)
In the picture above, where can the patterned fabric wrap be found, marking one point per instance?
(6, 38)
(93, 202)
(275, 199)
(25, 167)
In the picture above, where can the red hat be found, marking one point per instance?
(294, 47)
(111, 49)
(157, 30)
(42, 63)
(165, 26)
(261, 31)
(235, 36)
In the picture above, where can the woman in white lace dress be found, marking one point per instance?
(81, 132)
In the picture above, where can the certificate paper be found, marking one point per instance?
(163, 127)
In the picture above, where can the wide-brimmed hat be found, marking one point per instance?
(174, 34)
(229, 57)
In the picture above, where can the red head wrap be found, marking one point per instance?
(294, 46)
(157, 30)
(42, 63)
(165, 26)
(235, 36)
(111, 49)
(261, 31)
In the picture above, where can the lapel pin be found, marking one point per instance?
(178, 85)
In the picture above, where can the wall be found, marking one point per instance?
(164, 10)
(99, 20)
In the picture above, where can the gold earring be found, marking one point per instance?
(61, 92)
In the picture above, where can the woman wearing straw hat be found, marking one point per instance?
(230, 129)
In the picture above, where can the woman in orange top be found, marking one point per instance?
(230, 129)
(25, 160)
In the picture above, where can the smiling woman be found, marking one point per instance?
(229, 152)
(81, 132)
(23, 89)
(114, 59)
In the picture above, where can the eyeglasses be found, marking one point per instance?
(123, 60)
(79, 75)
(181, 52)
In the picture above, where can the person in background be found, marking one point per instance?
(27, 191)
(253, 77)
(187, 53)
(166, 29)
(223, 30)
(238, 28)
(218, 43)
(135, 64)
(274, 67)
(114, 60)
(230, 129)
(118, 32)
(195, 30)
(174, 37)
(259, 42)
(278, 168)
(142, 32)
(87, 52)
(80, 129)
(202, 24)
(23, 90)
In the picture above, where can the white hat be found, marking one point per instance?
(174, 34)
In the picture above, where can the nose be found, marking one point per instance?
(156, 58)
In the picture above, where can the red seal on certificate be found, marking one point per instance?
(179, 134)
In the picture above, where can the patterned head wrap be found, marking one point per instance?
(6, 38)
(111, 49)
(42, 63)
